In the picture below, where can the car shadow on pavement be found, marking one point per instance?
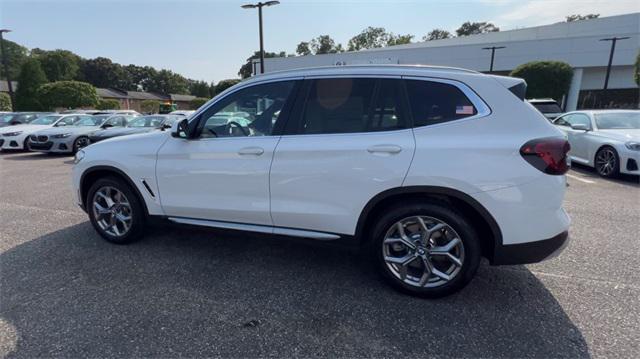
(31, 156)
(590, 173)
(194, 293)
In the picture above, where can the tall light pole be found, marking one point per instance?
(6, 68)
(259, 6)
(493, 53)
(613, 49)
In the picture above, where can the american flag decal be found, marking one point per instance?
(464, 110)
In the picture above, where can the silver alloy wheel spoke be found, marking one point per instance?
(112, 211)
(426, 259)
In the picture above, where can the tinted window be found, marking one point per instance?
(346, 105)
(547, 107)
(435, 102)
(252, 111)
(573, 119)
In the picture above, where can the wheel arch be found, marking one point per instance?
(488, 230)
(92, 174)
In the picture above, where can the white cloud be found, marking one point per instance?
(540, 12)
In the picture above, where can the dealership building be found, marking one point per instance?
(576, 43)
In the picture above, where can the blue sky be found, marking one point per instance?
(210, 39)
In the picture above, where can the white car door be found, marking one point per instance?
(223, 173)
(578, 139)
(347, 140)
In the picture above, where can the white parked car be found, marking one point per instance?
(607, 140)
(17, 137)
(547, 106)
(427, 168)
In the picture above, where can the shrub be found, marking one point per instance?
(31, 77)
(197, 102)
(5, 102)
(545, 78)
(636, 75)
(67, 94)
(108, 104)
(150, 106)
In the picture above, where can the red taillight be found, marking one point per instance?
(549, 155)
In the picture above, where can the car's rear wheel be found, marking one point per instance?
(428, 250)
(115, 211)
(80, 142)
(607, 162)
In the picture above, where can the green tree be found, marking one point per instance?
(199, 89)
(399, 39)
(5, 102)
(16, 55)
(108, 104)
(150, 106)
(141, 77)
(59, 65)
(102, 72)
(225, 84)
(303, 49)
(247, 69)
(473, 28)
(545, 78)
(67, 94)
(324, 44)
(197, 102)
(437, 34)
(167, 82)
(572, 18)
(30, 79)
(369, 38)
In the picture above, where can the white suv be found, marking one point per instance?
(428, 168)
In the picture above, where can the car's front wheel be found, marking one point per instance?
(115, 211)
(80, 142)
(428, 250)
(607, 163)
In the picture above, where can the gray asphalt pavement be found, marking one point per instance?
(64, 292)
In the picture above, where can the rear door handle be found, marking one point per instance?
(390, 149)
(251, 151)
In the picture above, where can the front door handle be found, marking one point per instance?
(251, 151)
(389, 149)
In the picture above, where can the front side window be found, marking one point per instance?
(435, 102)
(574, 119)
(87, 121)
(146, 121)
(252, 111)
(351, 105)
(46, 120)
(66, 121)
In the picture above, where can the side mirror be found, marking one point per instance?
(106, 125)
(180, 129)
(580, 127)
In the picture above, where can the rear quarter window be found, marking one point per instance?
(435, 102)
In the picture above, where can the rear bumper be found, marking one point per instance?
(530, 252)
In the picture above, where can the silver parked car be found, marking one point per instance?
(140, 124)
(608, 140)
(69, 139)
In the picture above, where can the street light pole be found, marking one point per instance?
(613, 49)
(259, 6)
(6, 68)
(493, 53)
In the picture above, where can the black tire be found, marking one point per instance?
(25, 145)
(605, 171)
(439, 211)
(77, 144)
(138, 216)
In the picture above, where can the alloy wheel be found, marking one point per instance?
(112, 211)
(606, 162)
(423, 251)
(82, 142)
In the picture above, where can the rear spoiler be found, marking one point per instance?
(517, 86)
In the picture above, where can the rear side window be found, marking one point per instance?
(435, 102)
(350, 105)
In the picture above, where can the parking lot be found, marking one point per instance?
(193, 293)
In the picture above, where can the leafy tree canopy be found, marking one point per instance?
(101, 72)
(636, 68)
(16, 55)
(150, 106)
(30, 79)
(167, 81)
(67, 94)
(473, 28)
(545, 78)
(199, 89)
(225, 84)
(572, 18)
(59, 65)
(437, 34)
(5, 102)
(197, 102)
(246, 70)
(374, 37)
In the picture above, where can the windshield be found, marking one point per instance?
(618, 120)
(101, 118)
(6, 117)
(547, 107)
(46, 120)
(146, 121)
(89, 121)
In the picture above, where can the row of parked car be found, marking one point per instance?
(69, 131)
